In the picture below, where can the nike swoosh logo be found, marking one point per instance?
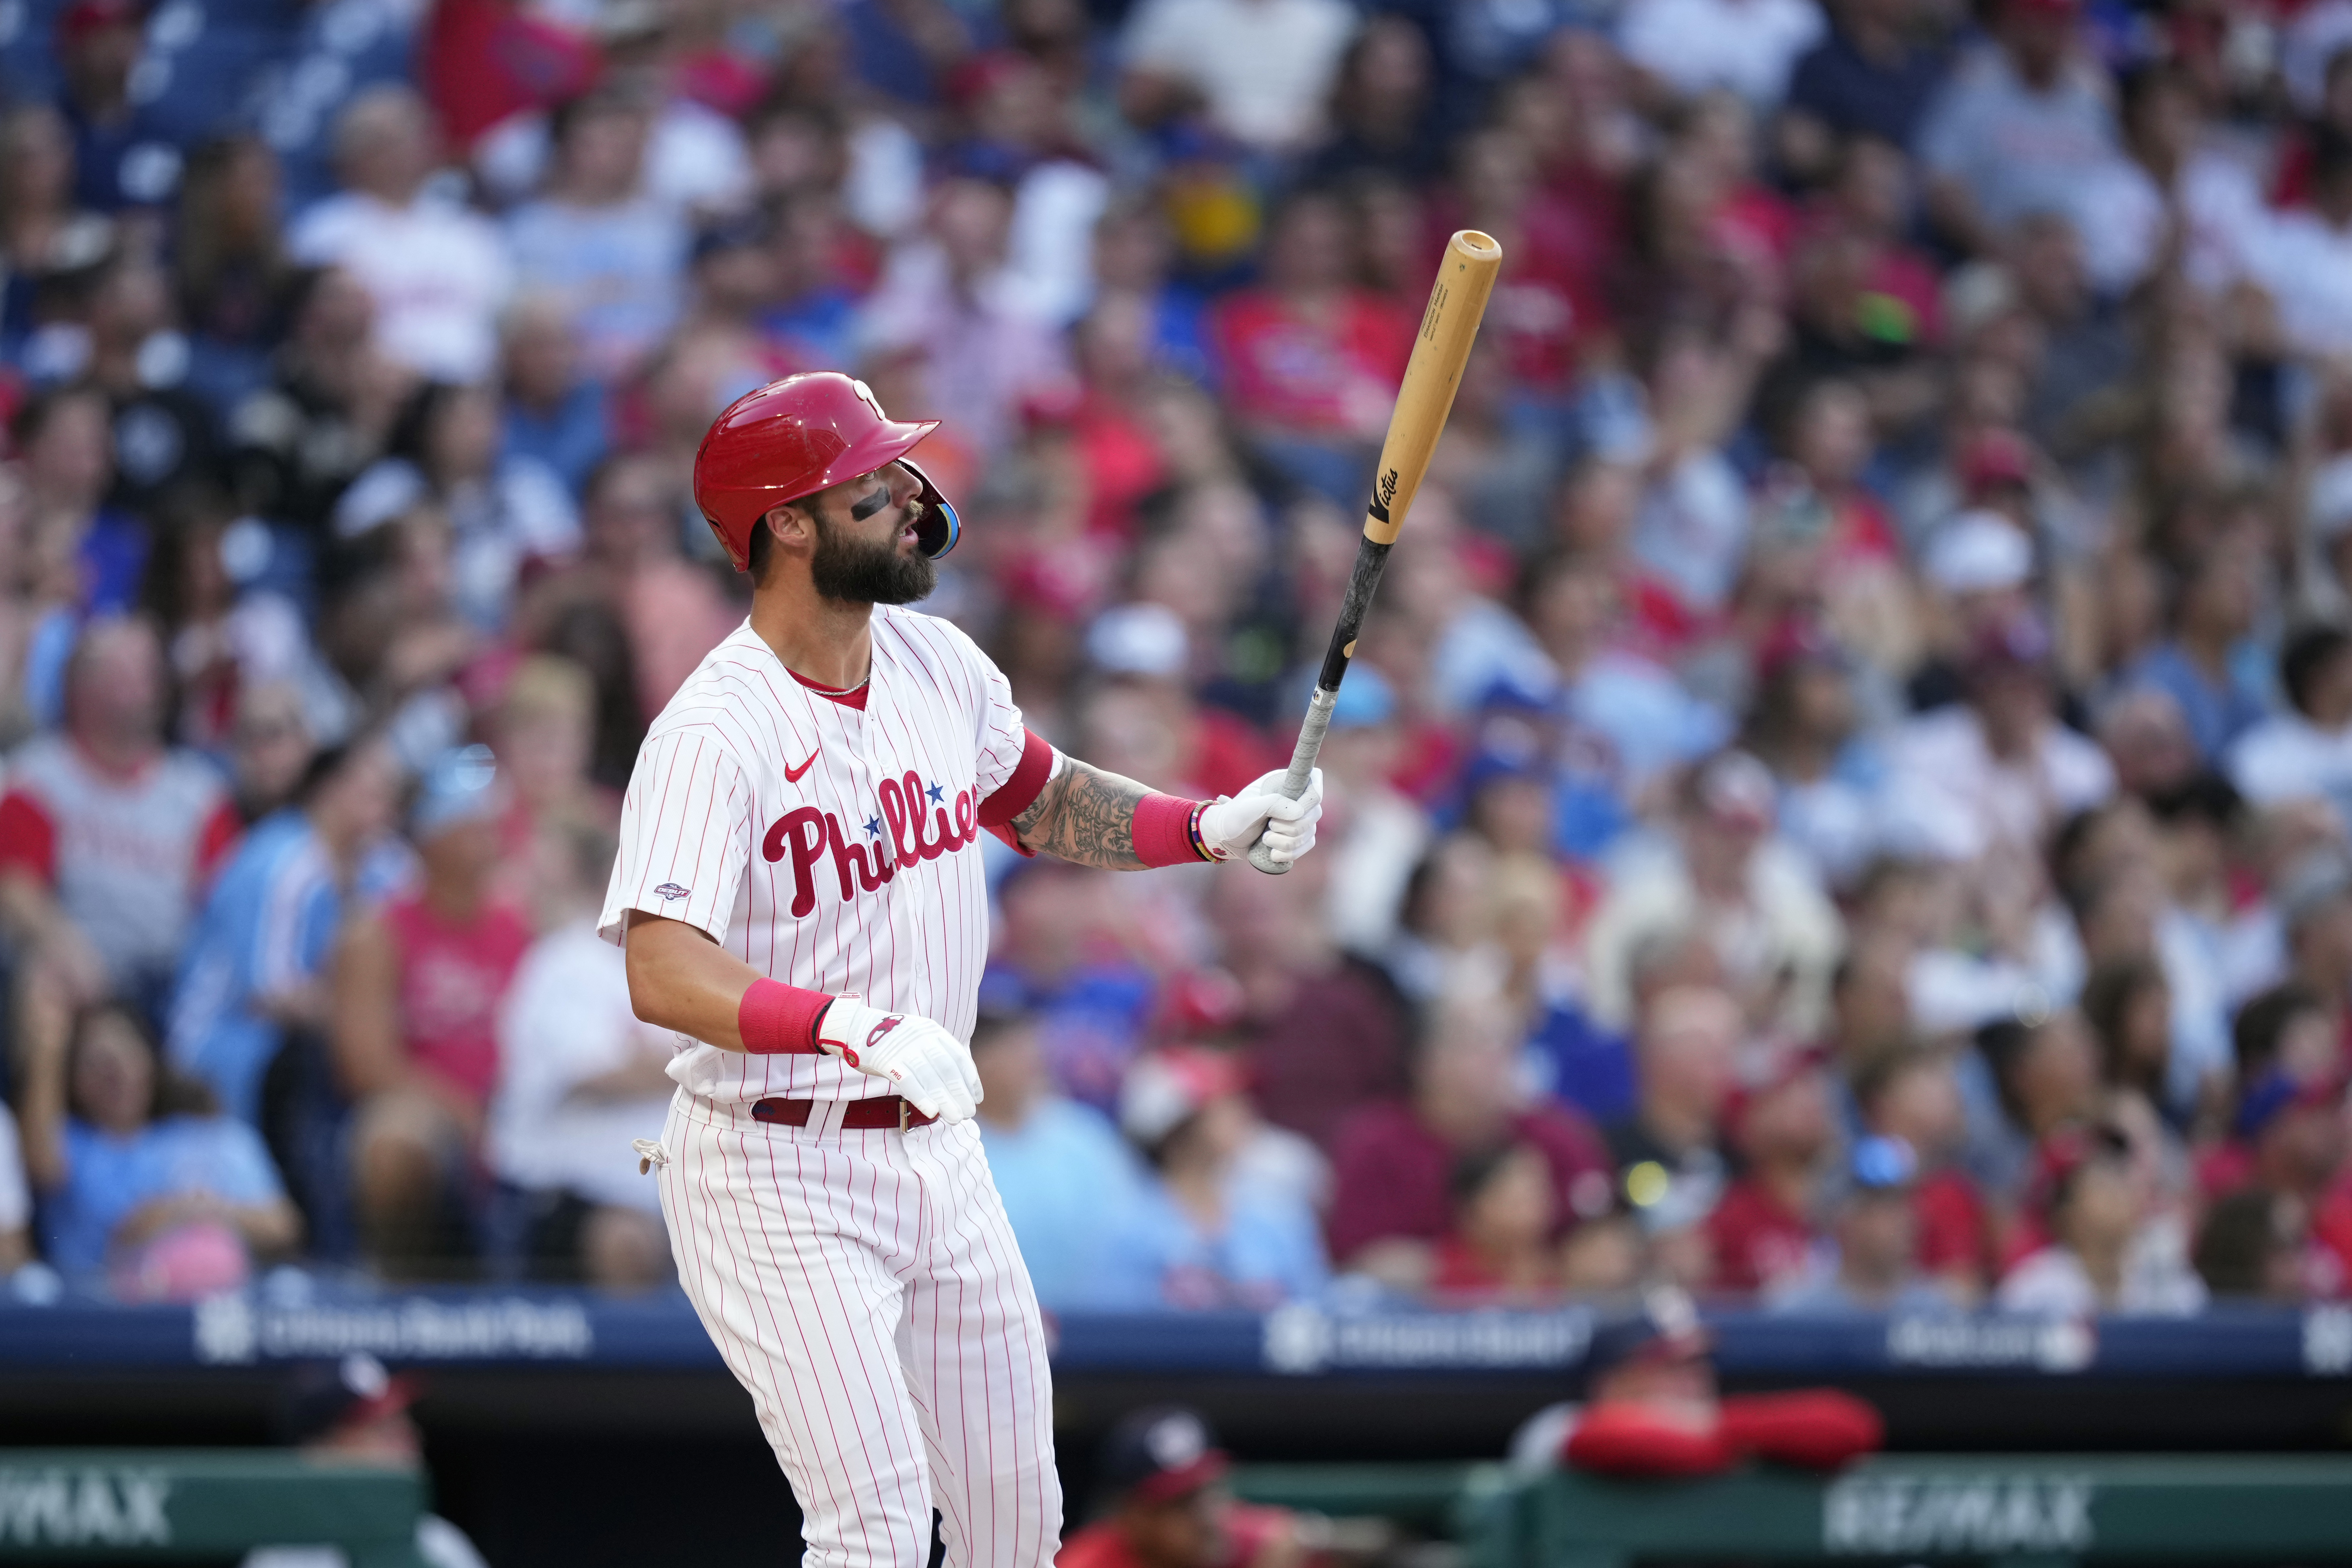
(793, 775)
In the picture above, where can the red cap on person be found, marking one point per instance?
(1993, 457)
(1167, 1088)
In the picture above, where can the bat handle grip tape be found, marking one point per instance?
(1302, 764)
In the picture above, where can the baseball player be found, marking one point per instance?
(801, 898)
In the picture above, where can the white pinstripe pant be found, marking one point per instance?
(866, 1288)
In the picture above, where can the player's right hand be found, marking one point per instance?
(926, 1063)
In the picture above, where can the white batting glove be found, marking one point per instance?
(926, 1063)
(1231, 825)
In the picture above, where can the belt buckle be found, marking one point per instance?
(906, 1109)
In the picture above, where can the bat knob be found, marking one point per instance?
(1263, 859)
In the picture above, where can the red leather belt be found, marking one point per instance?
(885, 1112)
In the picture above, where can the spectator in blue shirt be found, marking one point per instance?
(1090, 1001)
(140, 1170)
(1196, 1238)
(1872, 76)
(1065, 1176)
(256, 966)
(2210, 665)
(122, 159)
(553, 414)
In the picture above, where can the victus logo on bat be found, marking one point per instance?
(914, 822)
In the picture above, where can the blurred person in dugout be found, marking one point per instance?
(1163, 1504)
(355, 1411)
(1652, 1409)
(417, 986)
(580, 1078)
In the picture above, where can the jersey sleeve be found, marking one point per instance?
(1004, 738)
(686, 835)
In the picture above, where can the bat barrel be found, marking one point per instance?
(1440, 348)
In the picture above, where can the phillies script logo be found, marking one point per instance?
(923, 825)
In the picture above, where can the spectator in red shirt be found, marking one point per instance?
(417, 987)
(1869, 198)
(1394, 1161)
(108, 836)
(2289, 1032)
(1500, 1243)
(1309, 361)
(1765, 1228)
(2292, 1134)
(1159, 1474)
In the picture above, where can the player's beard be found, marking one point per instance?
(847, 568)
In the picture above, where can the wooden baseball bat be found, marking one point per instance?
(1456, 301)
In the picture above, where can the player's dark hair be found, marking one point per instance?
(763, 546)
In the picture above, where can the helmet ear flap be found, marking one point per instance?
(939, 527)
(742, 562)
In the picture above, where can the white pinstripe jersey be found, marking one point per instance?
(828, 847)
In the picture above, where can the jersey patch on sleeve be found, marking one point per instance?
(669, 893)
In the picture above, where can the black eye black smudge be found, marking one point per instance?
(870, 505)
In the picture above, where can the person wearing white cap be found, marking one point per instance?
(2209, 664)
(1999, 769)
(1144, 655)
(1729, 875)
(1377, 836)
(1197, 1236)
(1978, 568)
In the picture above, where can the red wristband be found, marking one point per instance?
(1163, 831)
(777, 1019)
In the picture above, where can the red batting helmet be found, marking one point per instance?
(796, 436)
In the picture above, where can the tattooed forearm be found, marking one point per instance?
(1084, 816)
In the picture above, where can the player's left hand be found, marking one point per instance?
(926, 1063)
(1232, 825)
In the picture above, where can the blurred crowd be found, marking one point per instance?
(1843, 799)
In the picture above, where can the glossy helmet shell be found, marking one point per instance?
(796, 436)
